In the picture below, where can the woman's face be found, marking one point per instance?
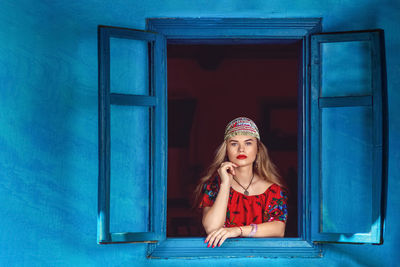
(242, 150)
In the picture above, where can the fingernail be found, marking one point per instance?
(205, 241)
(219, 245)
(213, 246)
(209, 245)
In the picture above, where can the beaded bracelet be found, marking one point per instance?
(241, 231)
(253, 230)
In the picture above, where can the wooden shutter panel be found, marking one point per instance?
(132, 136)
(346, 137)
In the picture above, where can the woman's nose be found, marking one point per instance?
(241, 148)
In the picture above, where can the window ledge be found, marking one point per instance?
(234, 248)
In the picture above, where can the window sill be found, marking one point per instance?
(195, 247)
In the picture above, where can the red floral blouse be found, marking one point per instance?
(243, 210)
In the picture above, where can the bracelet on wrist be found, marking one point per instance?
(241, 231)
(253, 230)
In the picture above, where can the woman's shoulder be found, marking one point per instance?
(214, 180)
(212, 183)
(276, 187)
(277, 190)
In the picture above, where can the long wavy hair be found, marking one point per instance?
(262, 166)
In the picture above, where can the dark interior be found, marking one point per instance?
(209, 85)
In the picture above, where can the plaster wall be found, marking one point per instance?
(48, 119)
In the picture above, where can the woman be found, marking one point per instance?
(242, 195)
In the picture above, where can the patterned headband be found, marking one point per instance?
(241, 126)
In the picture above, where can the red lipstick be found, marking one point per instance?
(241, 157)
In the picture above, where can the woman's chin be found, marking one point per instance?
(242, 163)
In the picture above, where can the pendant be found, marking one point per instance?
(246, 192)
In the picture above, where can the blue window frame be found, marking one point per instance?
(321, 99)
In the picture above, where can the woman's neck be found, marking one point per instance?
(244, 174)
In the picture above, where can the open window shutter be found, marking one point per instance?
(346, 137)
(132, 136)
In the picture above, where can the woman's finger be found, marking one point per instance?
(228, 164)
(232, 170)
(218, 238)
(223, 238)
(209, 236)
(233, 164)
(213, 236)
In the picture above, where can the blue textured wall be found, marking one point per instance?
(48, 124)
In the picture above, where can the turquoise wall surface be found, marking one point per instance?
(49, 134)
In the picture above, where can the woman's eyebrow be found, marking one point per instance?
(236, 141)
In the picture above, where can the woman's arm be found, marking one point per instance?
(214, 216)
(267, 229)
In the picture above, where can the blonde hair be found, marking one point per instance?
(262, 166)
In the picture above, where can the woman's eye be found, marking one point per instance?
(249, 143)
(233, 144)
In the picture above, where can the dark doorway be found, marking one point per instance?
(209, 85)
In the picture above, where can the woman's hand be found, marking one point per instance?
(226, 172)
(217, 237)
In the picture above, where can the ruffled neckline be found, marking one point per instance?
(254, 195)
